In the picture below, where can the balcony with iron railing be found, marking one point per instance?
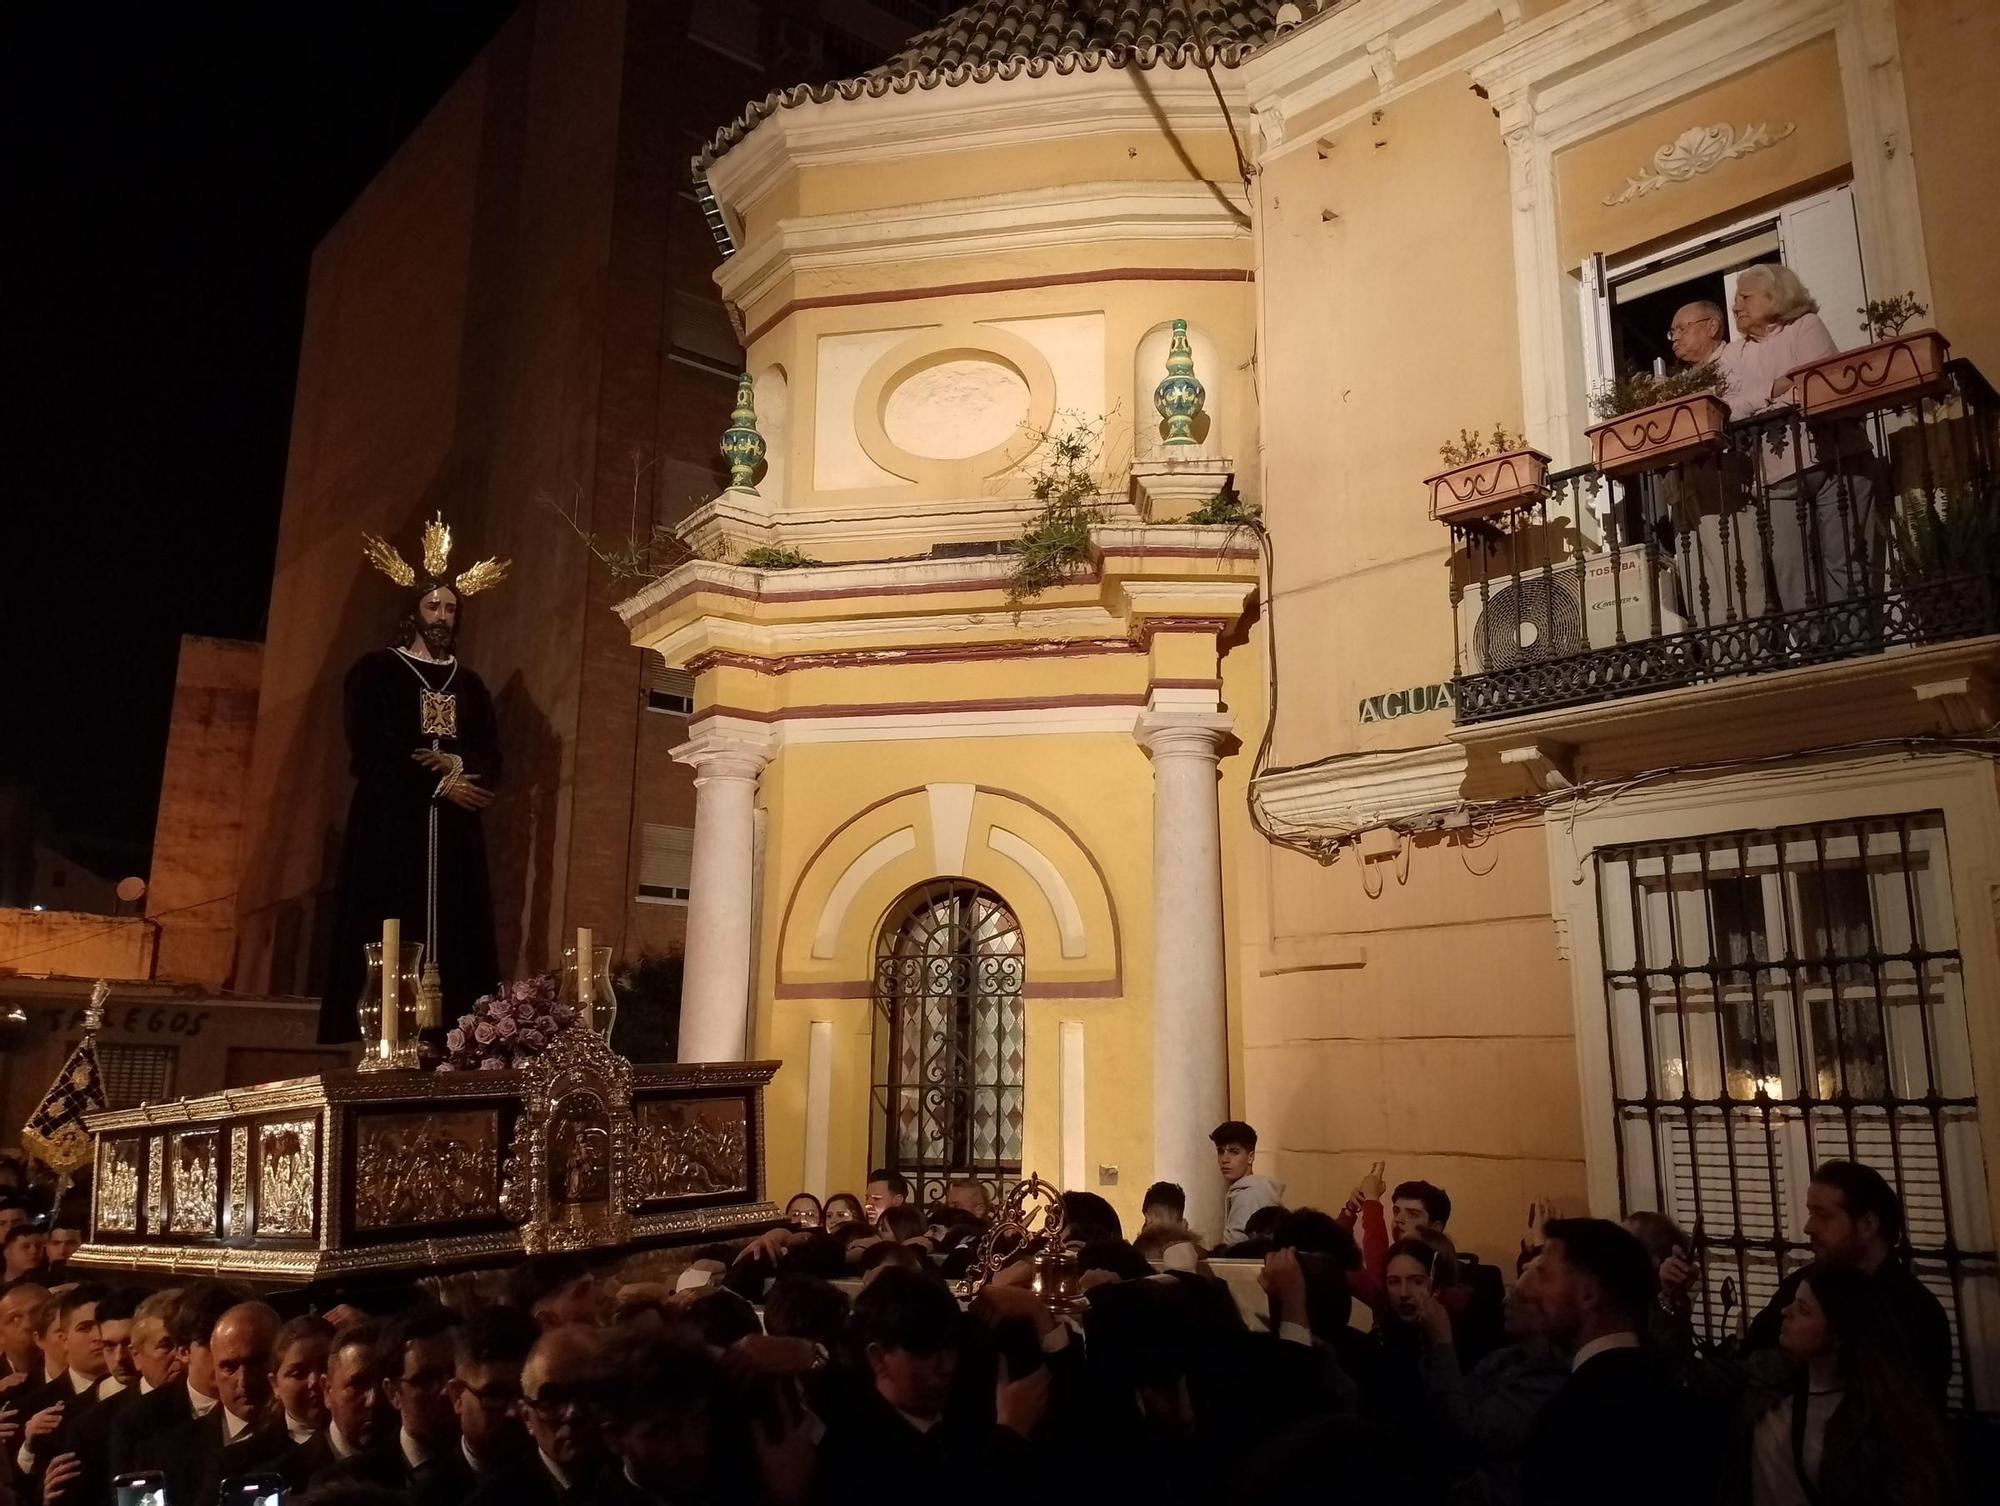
(1862, 523)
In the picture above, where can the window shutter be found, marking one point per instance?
(666, 860)
(668, 690)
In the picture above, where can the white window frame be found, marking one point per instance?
(1961, 787)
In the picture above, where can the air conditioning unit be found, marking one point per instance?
(1537, 616)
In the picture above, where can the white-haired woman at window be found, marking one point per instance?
(1778, 328)
(1837, 555)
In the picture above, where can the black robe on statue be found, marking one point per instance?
(383, 858)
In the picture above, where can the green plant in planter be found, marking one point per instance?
(1950, 530)
(1470, 447)
(1887, 316)
(1641, 389)
(775, 557)
(1224, 508)
(1057, 541)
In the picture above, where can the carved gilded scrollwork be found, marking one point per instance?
(426, 1168)
(118, 1185)
(194, 1173)
(156, 1185)
(567, 1165)
(239, 1181)
(689, 1148)
(287, 1176)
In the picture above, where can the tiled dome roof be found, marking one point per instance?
(1004, 39)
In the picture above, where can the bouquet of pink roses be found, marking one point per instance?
(508, 1027)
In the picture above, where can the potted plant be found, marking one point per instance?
(1654, 421)
(1486, 475)
(1943, 540)
(1896, 369)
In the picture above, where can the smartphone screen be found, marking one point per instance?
(253, 1490)
(141, 1488)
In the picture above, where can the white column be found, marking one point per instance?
(819, 1106)
(1075, 1155)
(715, 981)
(1190, 1015)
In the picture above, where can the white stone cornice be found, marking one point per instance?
(1072, 215)
(1183, 734)
(1349, 48)
(1343, 795)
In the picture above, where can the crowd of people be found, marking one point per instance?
(834, 1359)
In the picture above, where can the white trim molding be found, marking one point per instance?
(1344, 795)
(1047, 878)
(1593, 64)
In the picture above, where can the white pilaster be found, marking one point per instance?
(715, 987)
(819, 1105)
(1190, 1016)
(1075, 1154)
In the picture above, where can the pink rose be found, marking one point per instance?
(492, 1064)
(505, 1026)
(454, 1040)
(524, 1009)
(447, 1067)
(467, 1021)
(483, 1033)
(530, 1039)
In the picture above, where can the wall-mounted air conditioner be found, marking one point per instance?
(1533, 617)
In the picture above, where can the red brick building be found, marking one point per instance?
(515, 324)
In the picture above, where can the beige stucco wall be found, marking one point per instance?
(1950, 51)
(1800, 90)
(1387, 329)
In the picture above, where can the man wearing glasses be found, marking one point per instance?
(562, 1372)
(485, 1392)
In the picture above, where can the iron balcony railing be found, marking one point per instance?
(1792, 543)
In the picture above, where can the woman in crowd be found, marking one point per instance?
(842, 1209)
(1852, 1423)
(804, 1212)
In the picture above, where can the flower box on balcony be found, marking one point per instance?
(1486, 488)
(1647, 439)
(1883, 375)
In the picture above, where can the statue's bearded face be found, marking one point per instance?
(437, 620)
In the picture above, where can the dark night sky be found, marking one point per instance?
(169, 168)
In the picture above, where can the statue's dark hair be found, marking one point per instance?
(408, 624)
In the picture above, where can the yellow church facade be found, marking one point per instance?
(1272, 820)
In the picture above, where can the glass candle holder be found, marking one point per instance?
(592, 997)
(389, 1040)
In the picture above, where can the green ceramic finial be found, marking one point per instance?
(1180, 397)
(742, 446)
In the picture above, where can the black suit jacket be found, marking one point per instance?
(1617, 1431)
(532, 1485)
(146, 1418)
(90, 1441)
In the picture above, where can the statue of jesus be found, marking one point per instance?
(425, 754)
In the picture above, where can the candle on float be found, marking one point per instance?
(392, 984)
(586, 978)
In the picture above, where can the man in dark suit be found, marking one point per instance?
(55, 1410)
(21, 1311)
(349, 1447)
(422, 1456)
(560, 1387)
(1617, 1431)
(244, 1430)
(1854, 1218)
(161, 1412)
(90, 1438)
(485, 1390)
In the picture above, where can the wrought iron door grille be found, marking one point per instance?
(950, 1040)
(1781, 998)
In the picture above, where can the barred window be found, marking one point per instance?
(666, 861)
(134, 1075)
(1782, 998)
